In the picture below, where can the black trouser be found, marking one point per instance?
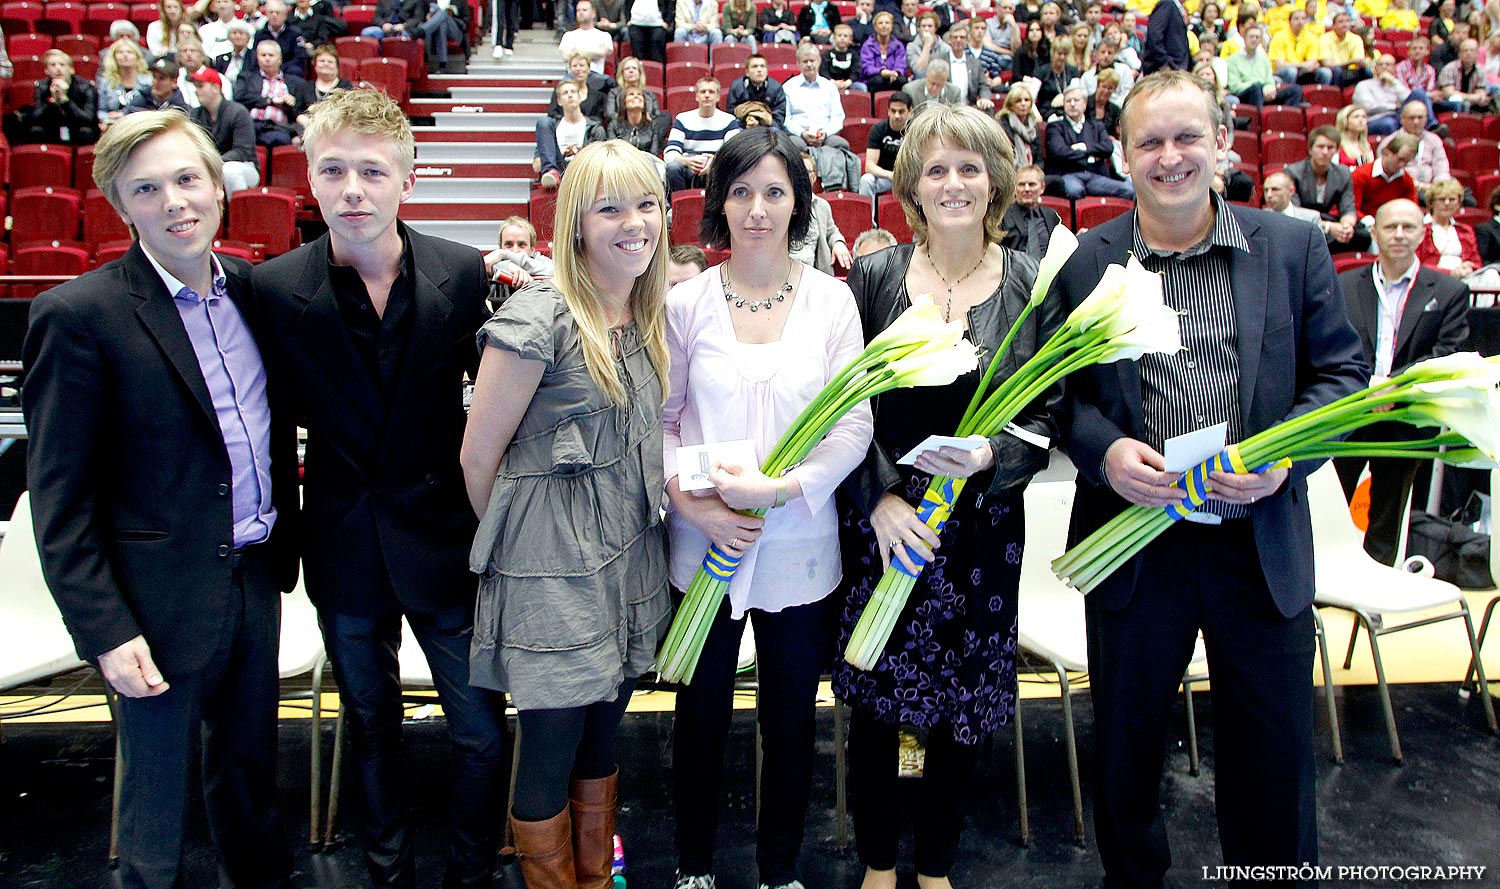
(1390, 483)
(648, 44)
(570, 744)
(792, 649)
(231, 705)
(1208, 577)
(947, 774)
(507, 22)
(363, 652)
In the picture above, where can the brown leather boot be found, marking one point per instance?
(593, 805)
(545, 850)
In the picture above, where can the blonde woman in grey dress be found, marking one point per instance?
(563, 463)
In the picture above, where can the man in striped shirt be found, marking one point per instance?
(695, 138)
(1266, 338)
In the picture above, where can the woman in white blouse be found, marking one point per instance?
(751, 343)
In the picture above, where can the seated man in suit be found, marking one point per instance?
(1404, 313)
(318, 21)
(1079, 150)
(270, 94)
(1328, 188)
(240, 57)
(934, 87)
(1276, 195)
(164, 492)
(1028, 225)
(376, 324)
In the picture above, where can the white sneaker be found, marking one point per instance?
(509, 52)
(498, 53)
(704, 882)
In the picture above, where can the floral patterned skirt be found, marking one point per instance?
(952, 656)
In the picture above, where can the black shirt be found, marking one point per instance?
(889, 142)
(840, 65)
(378, 340)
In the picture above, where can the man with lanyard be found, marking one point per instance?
(1404, 313)
(1265, 338)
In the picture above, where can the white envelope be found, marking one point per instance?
(933, 442)
(695, 461)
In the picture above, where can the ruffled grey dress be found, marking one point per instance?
(571, 551)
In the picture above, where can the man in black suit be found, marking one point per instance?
(1166, 46)
(242, 57)
(1404, 313)
(164, 495)
(1265, 338)
(1079, 150)
(288, 37)
(1328, 188)
(1028, 225)
(269, 93)
(376, 323)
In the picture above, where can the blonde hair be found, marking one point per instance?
(617, 170)
(51, 54)
(132, 131)
(366, 112)
(1444, 188)
(110, 66)
(520, 222)
(959, 126)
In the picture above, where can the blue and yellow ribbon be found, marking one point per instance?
(934, 510)
(719, 565)
(1195, 481)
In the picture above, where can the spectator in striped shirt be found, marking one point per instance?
(696, 137)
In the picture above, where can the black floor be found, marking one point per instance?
(1441, 807)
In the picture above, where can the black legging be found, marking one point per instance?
(507, 22)
(557, 746)
(947, 774)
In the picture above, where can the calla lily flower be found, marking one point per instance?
(1060, 245)
(937, 364)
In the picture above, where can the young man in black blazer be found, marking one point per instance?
(1265, 338)
(376, 324)
(164, 493)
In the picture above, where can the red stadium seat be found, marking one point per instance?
(882, 104)
(1282, 148)
(265, 216)
(289, 170)
(1321, 96)
(1286, 120)
(684, 73)
(1346, 261)
(687, 212)
(98, 17)
(47, 258)
(359, 17)
(357, 47)
(1093, 212)
(1064, 208)
(45, 213)
(143, 15)
(1474, 216)
(727, 73)
(680, 99)
(1485, 183)
(856, 104)
(541, 211)
(20, 18)
(409, 51)
(783, 73)
(86, 67)
(101, 224)
(857, 131)
(1492, 128)
(28, 69)
(655, 72)
(779, 54)
(41, 165)
(62, 18)
(386, 75)
(27, 44)
(349, 69)
(1247, 146)
(111, 251)
(687, 52)
(1463, 126)
(1476, 156)
(892, 218)
(730, 53)
(78, 44)
(239, 249)
(852, 213)
(1320, 117)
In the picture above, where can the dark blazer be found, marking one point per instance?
(1166, 40)
(384, 494)
(1435, 322)
(79, 115)
(1487, 239)
(323, 25)
(1063, 157)
(1338, 191)
(879, 284)
(805, 18)
(144, 100)
(1017, 235)
(293, 56)
(233, 131)
(771, 93)
(249, 88)
(306, 92)
(414, 14)
(129, 473)
(1297, 351)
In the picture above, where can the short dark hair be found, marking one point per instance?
(688, 254)
(1325, 132)
(899, 96)
(734, 159)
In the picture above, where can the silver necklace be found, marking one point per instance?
(739, 302)
(948, 306)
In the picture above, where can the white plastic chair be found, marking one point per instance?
(302, 652)
(1349, 579)
(34, 643)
